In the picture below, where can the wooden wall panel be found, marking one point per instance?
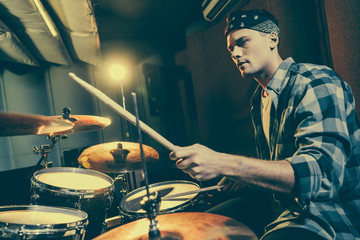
(344, 31)
(23, 91)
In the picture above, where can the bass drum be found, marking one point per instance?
(130, 206)
(83, 189)
(41, 222)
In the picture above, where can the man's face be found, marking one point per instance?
(250, 50)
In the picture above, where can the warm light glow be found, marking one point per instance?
(49, 23)
(117, 67)
(117, 71)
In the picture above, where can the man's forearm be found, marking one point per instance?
(275, 176)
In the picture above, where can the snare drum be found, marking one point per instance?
(82, 189)
(41, 222)
(130, 207)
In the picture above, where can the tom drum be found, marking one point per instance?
(130, 207)
(41, 222)
(83, 189)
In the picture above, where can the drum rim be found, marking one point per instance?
(106, 190)
(169, 210)
(45, 229)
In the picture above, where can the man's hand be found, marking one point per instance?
(198, 161)
(230, 185)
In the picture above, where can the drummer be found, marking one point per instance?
(306, 135)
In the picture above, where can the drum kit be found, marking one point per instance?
(72, 203)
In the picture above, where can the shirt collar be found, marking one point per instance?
(279, 80)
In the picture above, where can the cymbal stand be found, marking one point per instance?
(120, 155)
(122, 178)
(45, 149)
(150, 203)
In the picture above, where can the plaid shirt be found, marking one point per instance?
(313, 126)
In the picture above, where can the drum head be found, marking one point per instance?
(73, 178)
(131, 203)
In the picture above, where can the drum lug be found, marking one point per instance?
(104, 227)
(79, 229)
(3, 233)
(78, 203)
(109, 202)
(33, 186)
(20, 233)
(34, 198)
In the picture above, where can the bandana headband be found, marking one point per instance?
(259, 20)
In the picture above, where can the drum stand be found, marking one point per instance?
(150, 203)
(122, 178)
(46, 149)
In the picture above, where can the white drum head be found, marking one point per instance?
(34, 217)
(131, 203)
(73, 180)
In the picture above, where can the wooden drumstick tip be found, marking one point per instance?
(71, 74)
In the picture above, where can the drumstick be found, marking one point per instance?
(127, 115)
(192, 192)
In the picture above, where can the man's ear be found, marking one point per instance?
(274, 40)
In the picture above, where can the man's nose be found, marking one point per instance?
(237, 52)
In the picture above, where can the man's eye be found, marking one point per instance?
(241, 43)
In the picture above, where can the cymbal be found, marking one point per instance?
(109, 158)
(84, 123)
(15, 124)
(184, 226)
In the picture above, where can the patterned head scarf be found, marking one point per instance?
(259, 20)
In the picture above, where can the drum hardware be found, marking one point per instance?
(122, 180)
(44, 150)
(113, 222)
(119, 153)
(150, 203)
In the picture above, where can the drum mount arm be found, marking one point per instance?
(44, 150)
